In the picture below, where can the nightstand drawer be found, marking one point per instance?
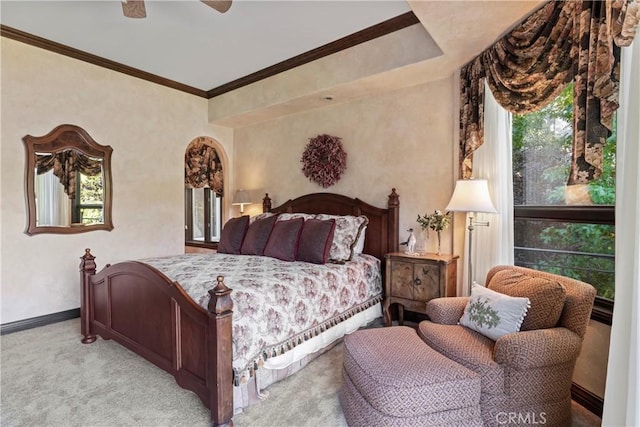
(427, 282)
(402, 279)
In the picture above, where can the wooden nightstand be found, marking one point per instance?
(412, 280)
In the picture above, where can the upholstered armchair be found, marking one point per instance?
(526, 375)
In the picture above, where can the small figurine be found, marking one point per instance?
(411, 243)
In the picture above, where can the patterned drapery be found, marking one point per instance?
(562, 41)
(202, 166)
(65, 164)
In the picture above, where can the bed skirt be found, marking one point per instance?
(280, 367)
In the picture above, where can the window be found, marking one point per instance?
(204, 189)
(203, 215)
(87, 206)
(565, 233)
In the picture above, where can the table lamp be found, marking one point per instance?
(241, 198)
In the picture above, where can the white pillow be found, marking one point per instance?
(359, 247)
(494, 314)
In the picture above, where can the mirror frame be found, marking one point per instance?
(64, 137)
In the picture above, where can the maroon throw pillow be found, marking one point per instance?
(283, 241)
(233, 234)
(315, 240)
(257, 236)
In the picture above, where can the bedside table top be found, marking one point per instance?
(445, 258)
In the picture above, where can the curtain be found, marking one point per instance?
(65, 164)
(527, 68)
(202, 166)
(493, 245)
(53, 205)
(471, 114)
(622, 395)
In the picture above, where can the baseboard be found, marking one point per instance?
(34, 322)
(587, 399)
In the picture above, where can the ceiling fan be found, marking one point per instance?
(136, 9)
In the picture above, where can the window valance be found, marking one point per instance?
(560, 42)
(202, 166)
(65, 164)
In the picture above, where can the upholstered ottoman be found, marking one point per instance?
(392, 378)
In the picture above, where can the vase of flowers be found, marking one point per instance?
(436, 221)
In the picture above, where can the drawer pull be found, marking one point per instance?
(417, 281)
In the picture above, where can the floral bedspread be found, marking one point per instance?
(277, 304)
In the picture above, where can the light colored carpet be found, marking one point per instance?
(49, 379)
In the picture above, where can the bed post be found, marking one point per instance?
(394, 218)
(219, 348)
(266, 203)
(87, 269)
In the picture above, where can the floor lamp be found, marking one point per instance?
(241, 198)
(471, 196)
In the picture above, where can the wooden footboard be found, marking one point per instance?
(140, 308)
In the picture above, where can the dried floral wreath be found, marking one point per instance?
(324, 160)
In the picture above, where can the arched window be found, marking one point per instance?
(204, 192)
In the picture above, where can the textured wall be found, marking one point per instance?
(402, 139)
(148, 126)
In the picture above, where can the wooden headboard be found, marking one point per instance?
(382, 234)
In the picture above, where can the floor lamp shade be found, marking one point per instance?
(471, 195)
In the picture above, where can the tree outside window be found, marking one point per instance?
(573, 237)
(88, 204)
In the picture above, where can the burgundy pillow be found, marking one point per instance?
(257, 236)
(283, 241)
(315, 240)
(233, 234)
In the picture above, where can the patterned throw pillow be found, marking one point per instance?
(263, 215)
(233, 234)
(345, 236)
(283, 241)
(257, 236)
(285, 216)
(546, 296)
(315, 240)
(493, 314)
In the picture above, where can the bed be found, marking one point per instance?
(140, 307)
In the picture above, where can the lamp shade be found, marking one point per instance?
(471, 195)
(241, 198)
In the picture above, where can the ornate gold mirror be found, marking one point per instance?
(68, 182)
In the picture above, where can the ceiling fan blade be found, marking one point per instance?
(220, 5)
(134, 8)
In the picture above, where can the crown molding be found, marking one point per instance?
(71, 52)
(386, 27)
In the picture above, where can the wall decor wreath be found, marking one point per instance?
(324, 160)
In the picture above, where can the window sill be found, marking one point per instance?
(602, 311)
(207, 245)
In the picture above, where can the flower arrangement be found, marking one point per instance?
(437, 221)
(324, 160)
